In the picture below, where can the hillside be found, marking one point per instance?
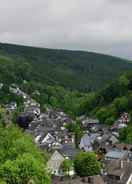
(79, 70)
(113, 100)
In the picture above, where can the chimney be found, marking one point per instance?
(122, 164)
(73, 139)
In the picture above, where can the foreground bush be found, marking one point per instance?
(21, 162)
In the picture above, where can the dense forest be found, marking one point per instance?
(76, 70)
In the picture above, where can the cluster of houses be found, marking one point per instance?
(116, 158)
(50, 133)
(30, 105)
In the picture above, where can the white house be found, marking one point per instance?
(86, 143)
(55, 163)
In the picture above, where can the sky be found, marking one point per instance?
(103, 26)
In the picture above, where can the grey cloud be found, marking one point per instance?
(97, 25)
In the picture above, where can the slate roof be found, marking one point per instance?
(87, 141)
(69, 150)
(113, 139)
(116, 169)
(48, 139)
(116, 154)
(51, 122)
(123, 146)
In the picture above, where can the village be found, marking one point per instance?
(50, 133)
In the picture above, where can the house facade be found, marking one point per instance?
(55, 163)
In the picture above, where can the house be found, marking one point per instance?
(89, 123)
(121, 122)
(125, 118)
(32, 106)
(113, 140)
(126, 147)
(69, 151)
(123, 146)
(116, 154)
(12, 106)
(66, 180)
(48, 139)
(35, 110)
(14, 89)
(37, 138)
(56, 146)
(55, 163)
(93, 180)
(122, 125)
(87, 141)
(103, 142)
(118, 172)
(77, 180)
(103, 139)
(115, 133)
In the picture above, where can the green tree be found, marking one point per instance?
(22, 170)
(2, 113)
(102, 114)
(86, 164)
(121, 104)
(20, 159)
(67, 166)
(78, 133)
(77, 130)
(125, 134)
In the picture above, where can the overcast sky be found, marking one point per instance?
(93, 25)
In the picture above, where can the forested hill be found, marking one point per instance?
(114, 99)
(84, 71)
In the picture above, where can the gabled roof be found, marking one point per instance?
(87, 141)
(55, 161)
(113, 139)
(69, 150)
(48, 139)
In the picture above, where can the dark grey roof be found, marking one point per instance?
(116, 154)
(69, 150)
